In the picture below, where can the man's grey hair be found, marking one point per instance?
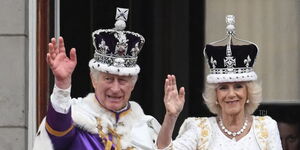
(96, 73)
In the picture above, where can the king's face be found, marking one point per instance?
(113, 91)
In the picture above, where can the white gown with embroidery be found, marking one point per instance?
(222, 142)
(204, 134)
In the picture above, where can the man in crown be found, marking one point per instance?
(106, 119)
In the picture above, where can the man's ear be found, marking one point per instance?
(94, 81)
(133, 85)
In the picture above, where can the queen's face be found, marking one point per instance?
(232, 97)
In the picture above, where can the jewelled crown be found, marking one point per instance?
(231, 63)
(116, 50)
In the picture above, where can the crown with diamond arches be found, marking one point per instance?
(229, 62)
(116, 50)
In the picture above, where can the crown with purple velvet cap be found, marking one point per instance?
(116, 50)
(229, 62)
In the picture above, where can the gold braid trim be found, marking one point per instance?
(263, 133)
(203, 134)
(107, 143)
(57, 133)
(125, 113)
(115, 134)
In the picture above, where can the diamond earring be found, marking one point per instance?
(247, 101)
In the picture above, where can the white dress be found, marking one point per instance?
(222, 142)
(204, 134)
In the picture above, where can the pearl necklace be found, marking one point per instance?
(230, 133)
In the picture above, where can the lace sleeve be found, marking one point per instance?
(61, 99)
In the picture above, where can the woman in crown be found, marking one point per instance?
(233, 95)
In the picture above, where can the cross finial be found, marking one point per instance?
(121, 17)
(122, 14)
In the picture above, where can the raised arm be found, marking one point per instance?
(61, 66)
(174, 102)
(59, 123)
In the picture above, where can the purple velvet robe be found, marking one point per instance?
(78, 129)
(73, 138)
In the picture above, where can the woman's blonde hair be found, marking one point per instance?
(254, 91)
